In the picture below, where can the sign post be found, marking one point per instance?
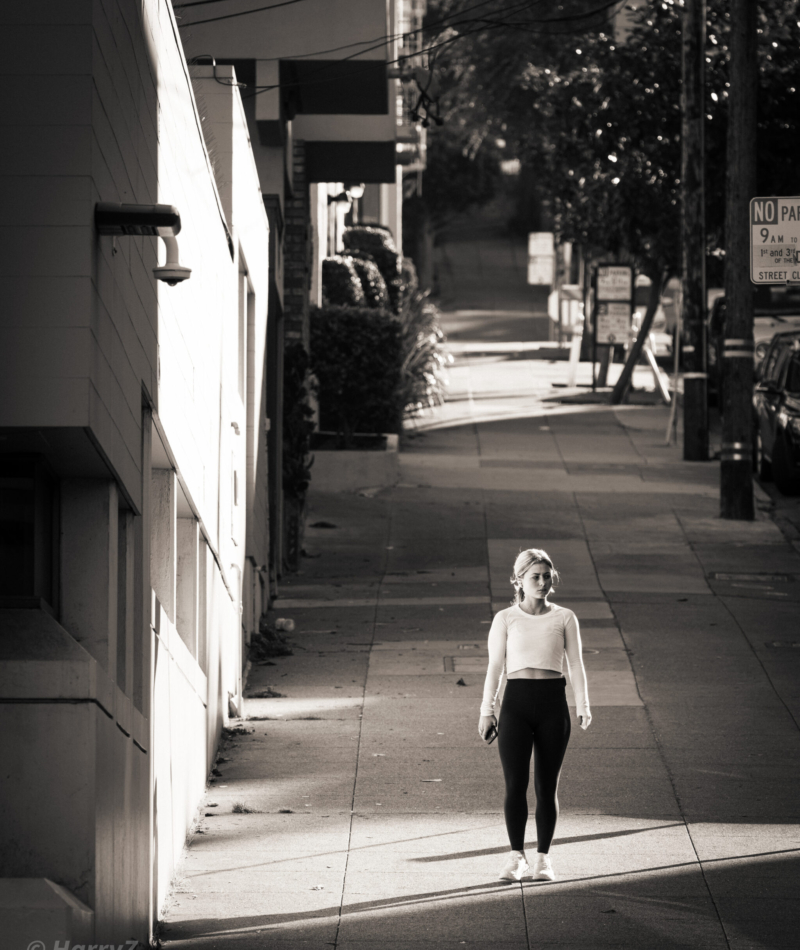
(613, 308)
(775, 240)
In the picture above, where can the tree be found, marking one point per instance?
(599, 117)
(463, 171)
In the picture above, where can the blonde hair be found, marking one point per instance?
(525, 559)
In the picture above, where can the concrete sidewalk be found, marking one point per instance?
(359, 808)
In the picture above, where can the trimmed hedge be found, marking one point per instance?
(372, 282)
(379, 245)
(356, 356)
(341, 283)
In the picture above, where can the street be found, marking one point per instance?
(356, 805)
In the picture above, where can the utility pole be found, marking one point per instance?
(736, 475)
(693, 231)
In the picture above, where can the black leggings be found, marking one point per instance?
(534, 717)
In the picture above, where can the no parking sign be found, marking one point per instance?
(774, 240)
(614, 294)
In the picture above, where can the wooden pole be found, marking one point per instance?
(736, 474)
(620, 391)
(693, 231)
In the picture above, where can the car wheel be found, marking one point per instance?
(761, 465)
(787, 479)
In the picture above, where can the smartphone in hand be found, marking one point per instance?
(491, 735)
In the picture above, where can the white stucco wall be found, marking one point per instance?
(98, 106)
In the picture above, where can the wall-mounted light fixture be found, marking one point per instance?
(162, 221)
(341, 199)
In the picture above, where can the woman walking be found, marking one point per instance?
(531, 639)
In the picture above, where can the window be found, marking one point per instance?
(779, 366)
(768, 374)
(242, 334)
(234, 499)
(28, 513)
(793, 375)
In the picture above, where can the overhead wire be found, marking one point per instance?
(383, 41)
(202, 3)
(230, 16)
(386, 37)
(258, 90)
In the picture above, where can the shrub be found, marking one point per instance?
(422, 373)
(341, 284)
(410, 281)
(372, 282)
(356, 358)
(379, 244)
(297, 424)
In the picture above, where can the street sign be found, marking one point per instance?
(540, 271)
(613, 308)
(541, 244)
(541, 258)
(613, 322)
(774, 240)
(615, 282)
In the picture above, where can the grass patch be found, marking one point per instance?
(239, 808)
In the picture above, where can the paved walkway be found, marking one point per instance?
(359, 809)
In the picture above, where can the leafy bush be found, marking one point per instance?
(422, 372)
(341, 284)
(410, 281)
(379, 244)
(372, 282)
(297, 424)
(356, 357)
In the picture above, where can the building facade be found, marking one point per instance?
(133, 459)
(142, 523)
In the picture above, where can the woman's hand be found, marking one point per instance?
(585, 719)
(486, 726)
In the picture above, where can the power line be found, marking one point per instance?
(385, 37)
(484, 25)
(230, 16)
(384, 42)
(197, 3)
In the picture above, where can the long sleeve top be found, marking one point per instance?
(518, 640)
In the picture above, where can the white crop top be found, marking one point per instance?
(519, 640)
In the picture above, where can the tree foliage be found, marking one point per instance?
(595, 111)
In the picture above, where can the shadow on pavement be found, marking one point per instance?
(661, 907)
(530, 845)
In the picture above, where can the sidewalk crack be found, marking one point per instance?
(384, 571)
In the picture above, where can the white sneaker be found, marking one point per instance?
(543, 869)
(515, 868)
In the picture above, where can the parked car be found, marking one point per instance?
(776, 414)
(776, 309)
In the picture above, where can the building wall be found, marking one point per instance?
(145, 403)
(226, 130)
